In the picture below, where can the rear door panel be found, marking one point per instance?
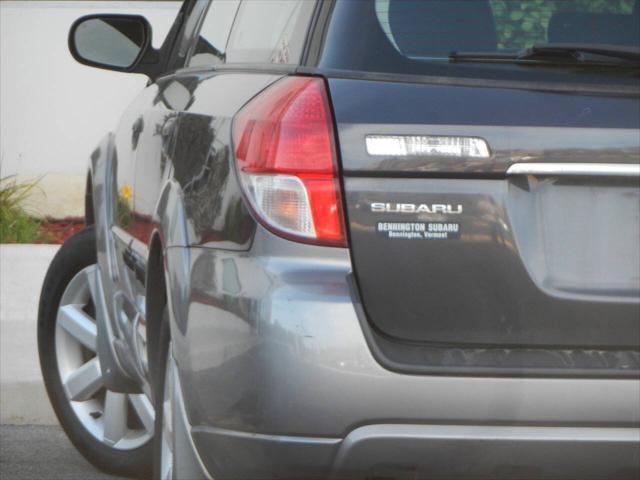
(526, 261)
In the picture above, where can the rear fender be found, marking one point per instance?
(170, 231)
(174, 236)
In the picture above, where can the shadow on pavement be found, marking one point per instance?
(42, 452)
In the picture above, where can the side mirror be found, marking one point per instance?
(112, 42)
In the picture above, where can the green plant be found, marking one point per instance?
(16, 225)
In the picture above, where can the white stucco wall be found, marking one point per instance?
(53, 110)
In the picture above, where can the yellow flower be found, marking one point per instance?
(126, 192)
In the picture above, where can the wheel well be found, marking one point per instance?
(156, 301)
(89, 215)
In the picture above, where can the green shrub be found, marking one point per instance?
(16, 225)
(521, 24)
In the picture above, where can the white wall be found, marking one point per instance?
(53, 110)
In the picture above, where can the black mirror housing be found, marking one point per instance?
(121, 43)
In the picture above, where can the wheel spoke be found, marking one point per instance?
(115, 417)
(90, 273)
(79, 325)
(167, 474)
(167, 425)
(104, 414)
(85, 382)
(144, 410)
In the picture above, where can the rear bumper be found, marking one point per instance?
(393, 451)
(279, 381)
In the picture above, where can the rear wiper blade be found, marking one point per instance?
(582, 53)
(559, 53)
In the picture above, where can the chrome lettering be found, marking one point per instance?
(379, 207)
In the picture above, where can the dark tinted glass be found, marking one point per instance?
(417, 36)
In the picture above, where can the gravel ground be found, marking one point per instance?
(42, 452)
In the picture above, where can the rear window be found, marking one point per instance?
(417, 36)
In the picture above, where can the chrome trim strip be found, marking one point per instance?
(576, 169)
(522, 433)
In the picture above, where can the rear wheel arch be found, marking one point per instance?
(89, 212)
(156, 301)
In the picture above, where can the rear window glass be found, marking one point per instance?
(523, 24)
(439, 27)
(401, 35)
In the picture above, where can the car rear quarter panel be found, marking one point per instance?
(270, 341)
(203, 169)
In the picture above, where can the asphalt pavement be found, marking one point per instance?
(42, 452)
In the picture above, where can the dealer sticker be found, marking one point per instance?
(419, 230)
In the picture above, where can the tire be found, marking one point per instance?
(161, 404)
(67, 337)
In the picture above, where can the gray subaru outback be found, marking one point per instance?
(385, 239)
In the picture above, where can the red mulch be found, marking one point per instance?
(57, 231)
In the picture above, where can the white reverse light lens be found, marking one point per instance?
(282, 201)
(429, 146)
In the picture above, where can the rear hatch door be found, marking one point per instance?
(494, 218)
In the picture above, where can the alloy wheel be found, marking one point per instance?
(118, 420)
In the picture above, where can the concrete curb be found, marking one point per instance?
(23, 399)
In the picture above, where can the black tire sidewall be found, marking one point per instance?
(77, 253)
(164, 341)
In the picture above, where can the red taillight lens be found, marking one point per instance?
(286, 157)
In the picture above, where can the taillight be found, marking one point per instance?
(286, 158)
